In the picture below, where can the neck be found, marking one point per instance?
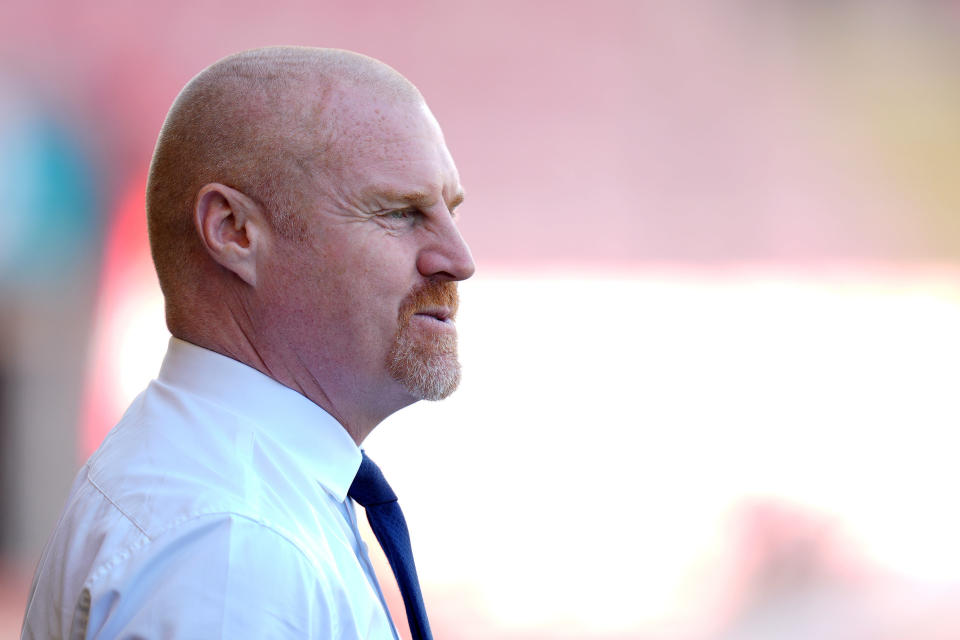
(355, 405)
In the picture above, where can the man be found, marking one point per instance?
(300, 206)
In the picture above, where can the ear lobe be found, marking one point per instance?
(231, 226)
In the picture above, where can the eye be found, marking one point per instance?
(400, 218)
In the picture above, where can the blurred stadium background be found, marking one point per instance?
(712, 352)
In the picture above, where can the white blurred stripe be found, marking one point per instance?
(606, 425)
(582, 478)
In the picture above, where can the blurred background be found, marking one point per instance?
(711, 353)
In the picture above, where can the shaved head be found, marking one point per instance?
(259, 122)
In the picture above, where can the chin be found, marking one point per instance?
(435, 389)
(427, 372)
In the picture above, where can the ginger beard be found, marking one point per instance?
(423, 357)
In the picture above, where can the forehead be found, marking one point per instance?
(392, 147)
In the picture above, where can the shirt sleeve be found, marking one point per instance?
(221, 577)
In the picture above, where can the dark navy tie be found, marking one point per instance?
(371, 490)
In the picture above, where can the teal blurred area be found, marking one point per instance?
(49, 189)
(726, 232)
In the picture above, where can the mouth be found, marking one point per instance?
(438, 314)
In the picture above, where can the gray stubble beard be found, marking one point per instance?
(427, 366)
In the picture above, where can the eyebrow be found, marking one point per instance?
(420, 197)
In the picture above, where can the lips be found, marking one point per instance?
(441, 314)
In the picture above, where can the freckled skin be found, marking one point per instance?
(297, 198)
(328, 304)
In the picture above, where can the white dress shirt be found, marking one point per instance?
(216, 508)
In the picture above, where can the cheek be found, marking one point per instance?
(380, 269)
(362, 276)
(358, 304)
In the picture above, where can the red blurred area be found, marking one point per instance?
(127, 273)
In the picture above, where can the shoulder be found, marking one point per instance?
(175, 456)
(186, 521)
(218, 575)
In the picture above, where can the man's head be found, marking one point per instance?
(300, 212)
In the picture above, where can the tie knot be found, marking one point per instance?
(370, 488)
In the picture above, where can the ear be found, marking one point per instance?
(233, 229)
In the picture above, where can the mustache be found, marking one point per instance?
(431, 294)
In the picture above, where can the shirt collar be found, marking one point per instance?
(311, 435)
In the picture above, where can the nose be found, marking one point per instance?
(446, 255)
